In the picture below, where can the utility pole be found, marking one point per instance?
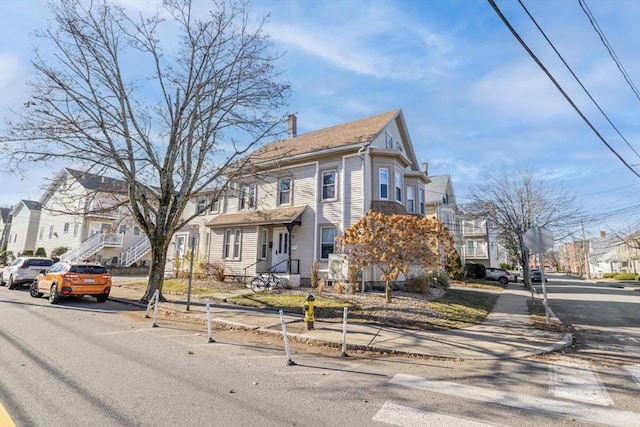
(585, 251)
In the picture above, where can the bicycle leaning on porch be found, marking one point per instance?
(266, 281)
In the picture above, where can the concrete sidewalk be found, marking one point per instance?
(507, 333)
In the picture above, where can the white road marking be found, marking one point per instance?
(634, 370)
(405, 416)
(575, 381)
(560, 408)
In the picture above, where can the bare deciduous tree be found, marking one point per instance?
(169, 103)
(515, 201)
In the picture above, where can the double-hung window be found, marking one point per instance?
(284, 191)
(264, 243)
(243, 196)
(252, 196)
(383, 175)
(329, 185)
(214, 205)
(398, 182)
(411, 199)
(236, 244)
(421, 194)
(388, 141)
(202, 204)
(232, 244)
(327, 241)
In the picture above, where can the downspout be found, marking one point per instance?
(315, 220)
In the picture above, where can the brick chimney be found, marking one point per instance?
(293, 126)
(425, 168)
(603, 234)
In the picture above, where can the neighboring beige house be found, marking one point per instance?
(25, 217)
(305, 191)
(440, 201)
(82, 212)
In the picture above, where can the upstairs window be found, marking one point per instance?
(201, 204)
(445, 198)
(398, 181)
(399, 147)
(214, 204)
(252, 196)
(329, 185)
(66, 227)
(136, 230)
(411, 199)
(123, 229)
(284, 191)
(388, 141)
(243, 196)
(384, 183)
(51, 231)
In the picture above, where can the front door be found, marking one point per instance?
(280, 250)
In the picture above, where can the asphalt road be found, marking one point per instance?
(605, 318)
(85, 363)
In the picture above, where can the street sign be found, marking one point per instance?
(194, 230)
(538, 239)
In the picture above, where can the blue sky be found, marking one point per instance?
(473, 99)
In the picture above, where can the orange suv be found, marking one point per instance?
(64, 279)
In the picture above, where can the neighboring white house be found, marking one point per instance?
(83, 213)
(305, 191)
(25, 217)
(5, 226)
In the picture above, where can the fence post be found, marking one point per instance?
(344, 334)
(286, 340)
(209, 322)
(156, 296)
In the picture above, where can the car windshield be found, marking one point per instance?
(88, 269)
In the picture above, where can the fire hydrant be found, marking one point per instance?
(309, 315)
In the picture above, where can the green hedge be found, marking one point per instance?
(625, 276)
(609, 275)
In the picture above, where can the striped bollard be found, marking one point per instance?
(209, 322)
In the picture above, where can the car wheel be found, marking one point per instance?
(102, 297)
(54, 298)
(10, 283)
(503, 280)
(34, 291)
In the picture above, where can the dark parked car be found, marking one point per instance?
(536, 276)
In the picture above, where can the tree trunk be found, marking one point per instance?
(387, 290)
(156, 272)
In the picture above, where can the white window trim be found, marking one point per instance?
(226, 245)
(398, 185)
(289, 191)
(335, 185)
(411, 200)
(322, 242)
(386, 170)
(264, 244)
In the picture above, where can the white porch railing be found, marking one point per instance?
(92, 245)
(135, 252)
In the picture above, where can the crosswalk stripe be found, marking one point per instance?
(537, 404)
(634, 370)
(577, 382)
(404, 416)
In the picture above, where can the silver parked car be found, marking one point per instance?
(502, 276)
(23, 270)
(536, 276)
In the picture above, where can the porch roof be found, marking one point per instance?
(273, 216)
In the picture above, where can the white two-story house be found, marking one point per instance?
(21, 230)
(303, 191)
(86, 214)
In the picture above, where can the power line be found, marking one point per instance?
(557, 85)
(605, 42)
(576, 77)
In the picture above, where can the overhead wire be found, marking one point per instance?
(605, 42)
(557, 85)
(576, 77)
